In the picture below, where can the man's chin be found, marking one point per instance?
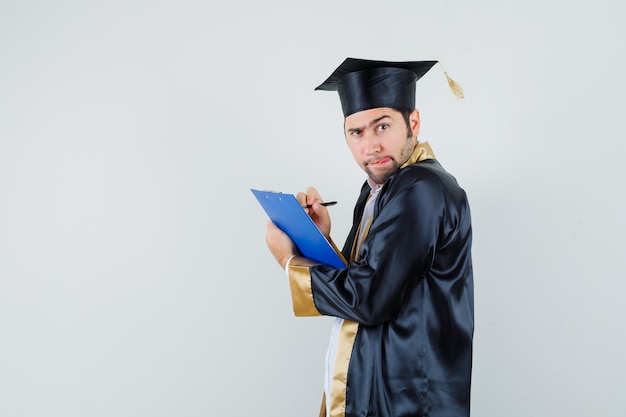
(380, 177)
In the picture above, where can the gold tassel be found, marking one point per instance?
(456, 88)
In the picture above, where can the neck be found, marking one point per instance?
(422, 151)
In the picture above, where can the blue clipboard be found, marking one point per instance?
(287, 213)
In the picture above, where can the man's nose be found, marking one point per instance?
(372, 143)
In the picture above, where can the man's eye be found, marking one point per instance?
(383, 127)
(356, 133)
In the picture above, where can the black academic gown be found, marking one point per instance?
(405, 347)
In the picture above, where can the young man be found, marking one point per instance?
(402, 340)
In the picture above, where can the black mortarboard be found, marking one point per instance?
(365, 84)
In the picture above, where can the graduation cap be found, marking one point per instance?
(365, 84)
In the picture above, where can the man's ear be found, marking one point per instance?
(414, 122)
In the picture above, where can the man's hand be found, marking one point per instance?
(281, 246)
(318, 213)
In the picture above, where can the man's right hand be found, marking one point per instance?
(319, 214)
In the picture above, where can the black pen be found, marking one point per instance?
(326, 204)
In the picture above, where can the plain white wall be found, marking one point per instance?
(134, 278)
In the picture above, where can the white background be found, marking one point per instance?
(134, 277)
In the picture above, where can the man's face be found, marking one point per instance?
(381, 141)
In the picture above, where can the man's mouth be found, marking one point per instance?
(380, 162)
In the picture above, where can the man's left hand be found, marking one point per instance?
(281, 245)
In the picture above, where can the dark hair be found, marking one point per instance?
(406, 114)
